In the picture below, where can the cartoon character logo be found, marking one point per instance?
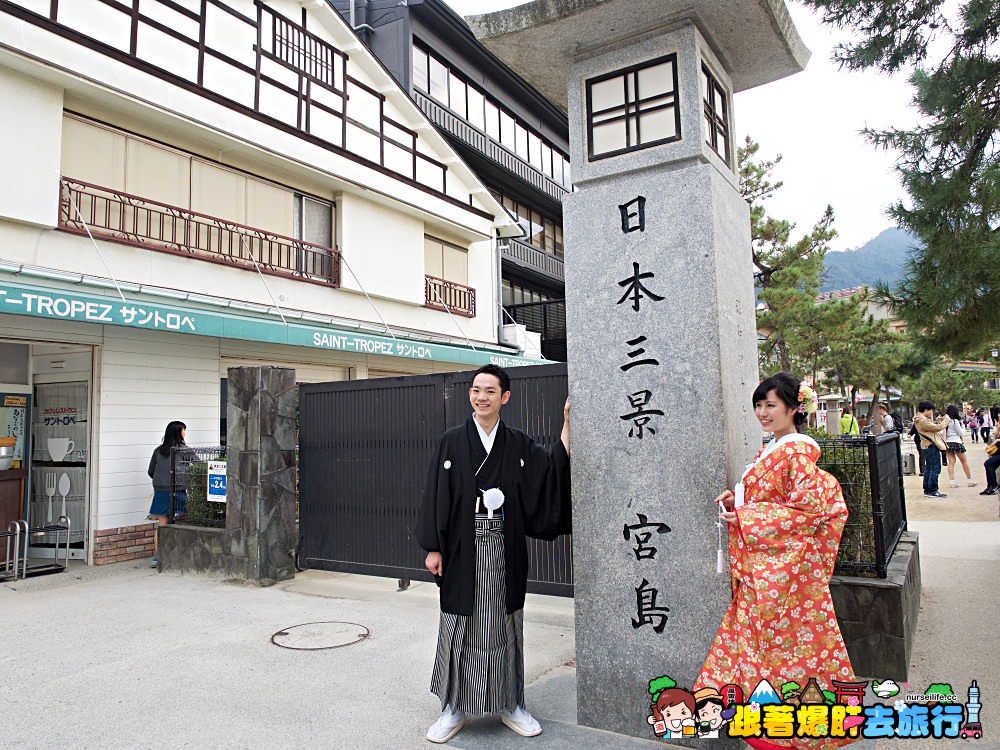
(673, 709)
(711, 712)
(885, 689)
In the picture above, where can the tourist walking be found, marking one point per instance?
(974, 426)
(931, 433)
(985, 424)
(489, 486)
(954, 438)
(795, 513)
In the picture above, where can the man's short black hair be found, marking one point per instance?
(498, 372)
(925, 405)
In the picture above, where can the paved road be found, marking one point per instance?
(121, 657)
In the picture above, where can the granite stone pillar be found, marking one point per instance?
(662, 344)
(641, 616)
(260, 514)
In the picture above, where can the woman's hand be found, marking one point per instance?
(725, 502)
(727, 499)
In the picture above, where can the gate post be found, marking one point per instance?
(260, 473)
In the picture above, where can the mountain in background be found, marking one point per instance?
(879, 259)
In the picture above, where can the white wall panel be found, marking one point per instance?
(231, 36)
(167, 52)
(169, 17)
(221, 76)
(102, 22)
(31, 126)
(140, 414)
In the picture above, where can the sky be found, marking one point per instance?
(813, 120)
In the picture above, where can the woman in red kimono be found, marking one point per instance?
(785, 518)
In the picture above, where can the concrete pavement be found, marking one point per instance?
(122, 657)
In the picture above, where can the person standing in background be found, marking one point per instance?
(159, 472)
(974, 426)
(887, 424)
(985, 424)
(954, 439)
(848, 424)
(931, 433)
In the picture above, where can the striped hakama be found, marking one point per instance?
(479, 665)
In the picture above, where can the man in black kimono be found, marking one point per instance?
(488, 488)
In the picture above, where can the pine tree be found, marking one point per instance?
(786, 274)
(949, 163)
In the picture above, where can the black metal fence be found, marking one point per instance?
(870, 472)
(548, 319)
(191, 497)
(364, 447)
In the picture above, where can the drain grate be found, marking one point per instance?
(316, 636)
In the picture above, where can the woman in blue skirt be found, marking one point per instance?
(159, 472)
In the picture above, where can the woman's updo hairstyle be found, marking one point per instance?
(786, 386)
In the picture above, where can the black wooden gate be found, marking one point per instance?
(364, 447)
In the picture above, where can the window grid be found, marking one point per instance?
(636, 105)
(716, 115)
(434, 78)
(540, 231)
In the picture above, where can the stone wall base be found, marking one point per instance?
(123, 543)
(878, 618)
(204, 550)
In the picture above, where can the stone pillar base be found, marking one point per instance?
(878, 618)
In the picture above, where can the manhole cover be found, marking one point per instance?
(315, 636)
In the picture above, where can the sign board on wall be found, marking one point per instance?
(217, 481)
(21, 299)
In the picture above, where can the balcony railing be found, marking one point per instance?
(120, 217)
(485, 145)
(533, 258)
(441, 294)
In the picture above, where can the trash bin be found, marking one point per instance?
(909, 464)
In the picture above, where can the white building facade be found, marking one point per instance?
(196, 185)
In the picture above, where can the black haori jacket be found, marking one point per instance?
(536, 486)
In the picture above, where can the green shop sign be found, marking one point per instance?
(40, 302)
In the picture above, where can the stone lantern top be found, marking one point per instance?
(755, 40)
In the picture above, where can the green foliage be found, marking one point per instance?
(786, 273)
(944, 385)
(847, 460)
(949, 163)
(831, 697)
(658, 685)
(199, 510)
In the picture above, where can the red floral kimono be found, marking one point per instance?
(781, 625)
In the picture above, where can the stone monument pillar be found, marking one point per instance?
(260, 513)
(660, 316)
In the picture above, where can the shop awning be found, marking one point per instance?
(143, 311)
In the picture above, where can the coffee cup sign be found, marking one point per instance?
(59, 447)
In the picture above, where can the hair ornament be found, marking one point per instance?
(808, 403)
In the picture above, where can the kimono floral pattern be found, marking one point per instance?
(781, 625)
